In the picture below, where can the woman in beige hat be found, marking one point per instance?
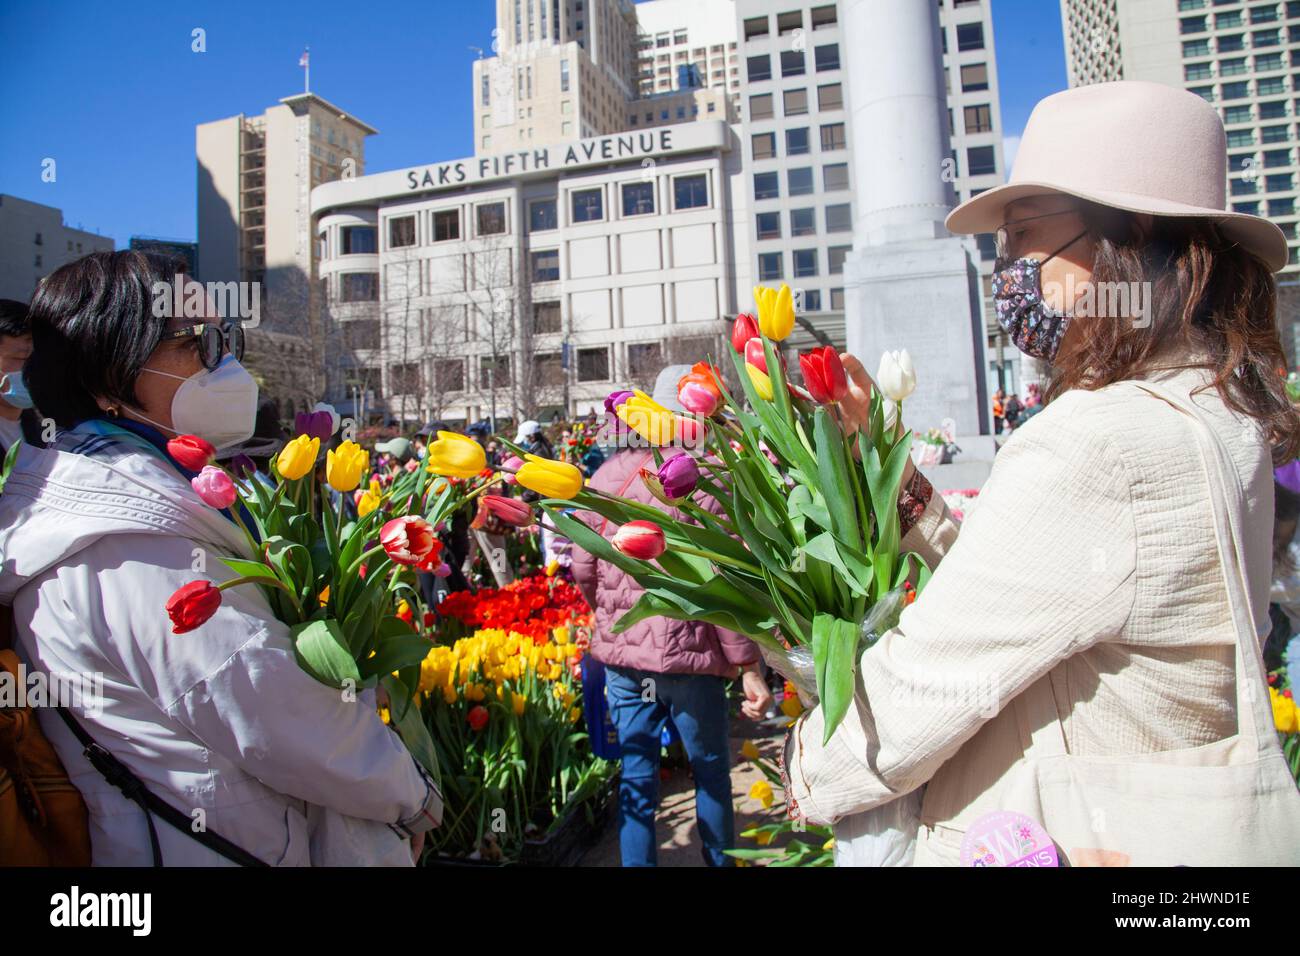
(1112, 691)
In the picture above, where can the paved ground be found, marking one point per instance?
(675, 823)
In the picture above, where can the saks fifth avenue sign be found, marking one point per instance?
(629, 147)
(605, 149)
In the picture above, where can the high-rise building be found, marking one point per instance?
(1243, 57)
(687, 44)
(254, 177)
(34, 241)
(798, 146)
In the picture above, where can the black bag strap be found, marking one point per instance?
(133, 788)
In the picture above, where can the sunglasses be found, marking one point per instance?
(1002, 238)
(214, 341)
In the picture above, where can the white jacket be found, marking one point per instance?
(220, 720)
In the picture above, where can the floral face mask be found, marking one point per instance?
(1035, 327)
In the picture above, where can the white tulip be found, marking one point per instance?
(896, 375)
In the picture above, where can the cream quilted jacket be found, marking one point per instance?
(1090, 557)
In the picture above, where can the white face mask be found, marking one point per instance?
(220, 406)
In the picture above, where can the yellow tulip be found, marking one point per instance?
(383, 714)
(748, 750)
(775, 311)
(791, 706)
(829, 845)
(574, 715)
(456, 456)
(518, 701)
(649, 419)
(298, 457)
(762, 792)
(762, 838)
(550, 479)
(369, 501)
(762, 384)
(345, 465)
(1285, 716)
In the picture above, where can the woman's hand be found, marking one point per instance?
(758, 699)
(855, 407)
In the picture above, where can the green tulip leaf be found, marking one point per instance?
(323, 652)
(834, 645)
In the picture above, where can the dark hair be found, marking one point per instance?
(1206, 292)
(13, 318)
(93, 329)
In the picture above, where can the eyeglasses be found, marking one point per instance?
(1002, 239)
(214, 341)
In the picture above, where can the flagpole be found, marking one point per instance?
(306, 82)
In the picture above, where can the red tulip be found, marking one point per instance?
(191, 452)
(477, 717)
(192, 604)
(404, 613)
(432, 559)
(640, 539)
(516, 513)
(429, 618)
(823, 375)
(755, 356)
(742, 330)
(407, 540)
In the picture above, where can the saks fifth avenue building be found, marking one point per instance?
(538, 280)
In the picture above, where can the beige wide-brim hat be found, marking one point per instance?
(1137, 146)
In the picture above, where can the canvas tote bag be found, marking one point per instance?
(1229, 803)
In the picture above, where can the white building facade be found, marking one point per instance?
(533, 283)
(34, 241)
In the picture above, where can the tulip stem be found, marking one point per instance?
(719, 558)
(361, 558)
(262, 579)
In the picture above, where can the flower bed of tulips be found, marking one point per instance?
(503, 705)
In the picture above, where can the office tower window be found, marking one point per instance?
(1243, 187)
(638, 199)
(588, 205)
(759, 68)
(1282, 207)
(404, 379)
(1204, 92)
(1264, 14)
(1274, 134)
(837, 300)
(1274, 158)
(485, 84)
(1279, 183)
(833, 137)
(803, 222)
(827, 57)
(357, 240)
(830, 97)
(546, 317)
(1263, 38)
(792, 63)
(691, 192)
(823, 16)
(769, 266)
(1242, 137)
(800, 181)
(593, 364)
(1270, 85)
(1268, 62)
(755, 28)
(979, 119)
(494, 373)
(767, 185)
(401, 232)
(835, 176)
(796, 141)
(980, 161)
(1192, 25)
(491, 218)
(795, 102)
(564, 76)
(835, 256)
(1237, 114)
(645, 359)
(448, 375)
(1196, 48)
(789, 22)
(769, 225)
(970, 36)
(546, 265)
(974, 76)
(359, 287)
(805, 263)
(1226, 21)
(1231, 44)
(1276, 109)
(542, 215)
(760, 107)
(763, 145)
(839, 218)
(1198, 71)
(812, 300)
(487, 142)
(1235, 91)
(446, 225)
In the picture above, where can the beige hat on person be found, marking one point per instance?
(1137, 146)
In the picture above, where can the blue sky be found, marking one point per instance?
(112, 92)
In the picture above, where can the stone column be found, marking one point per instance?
(908, 283)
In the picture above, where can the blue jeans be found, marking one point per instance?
(698, 706)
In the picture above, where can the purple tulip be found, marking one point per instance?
(1288, 476)
(615, 399)
(442, 571)
(679, 475)
(243, 467)
(315, 425)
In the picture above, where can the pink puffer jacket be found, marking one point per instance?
(658, 644)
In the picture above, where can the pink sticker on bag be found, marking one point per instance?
(1006, 838)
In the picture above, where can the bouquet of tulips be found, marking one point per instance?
(807, 546)
(335, 578)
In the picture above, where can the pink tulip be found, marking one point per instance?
(698, 398)
(407, 540)
(640, 539)
(690, 431)
(511, 464)
(411, 465)
(512, 511)
(214, 486)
